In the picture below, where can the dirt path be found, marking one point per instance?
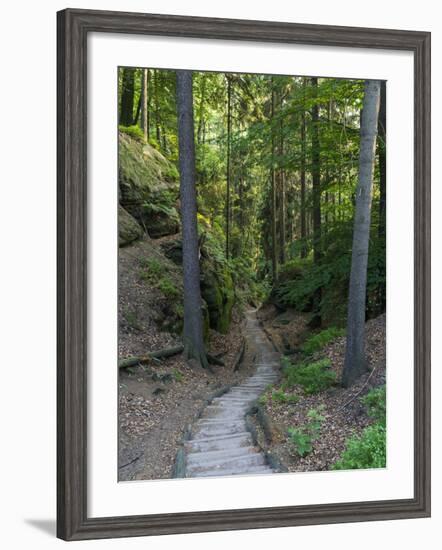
(220, 444)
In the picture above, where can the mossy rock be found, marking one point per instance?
(148, 186)
(129, 230)
(217, 287)
(160, 224)
(218, 292)
(173, 250)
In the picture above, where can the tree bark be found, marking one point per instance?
(382, 146)
(316, 175)
(282, 201)
(127, 97)
(228, 167)
(194, 347)
(157, 108)
(144, 107)
(201, 109)
(303, 154)
(316, 196)
(355, 361)
(273, 193)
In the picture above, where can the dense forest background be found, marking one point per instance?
(276, 174)
(246, 201)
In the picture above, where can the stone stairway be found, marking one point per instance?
(220, 444)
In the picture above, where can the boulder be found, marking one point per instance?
(129, 229)
(218, 292)
(160, 224)
(173, 249)
(148, 187)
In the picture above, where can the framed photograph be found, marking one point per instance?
(243, 274)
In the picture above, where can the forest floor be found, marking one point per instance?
(344, 414)
(158, 401)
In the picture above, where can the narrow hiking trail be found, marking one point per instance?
(220, 443)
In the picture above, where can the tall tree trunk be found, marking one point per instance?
(127, 97)
(200, 132)
(316, 196)
(140, 99)
(228, 167)
(382, 146)
(194, 347)
(303, 154)
(273, 193)
(157, 108)
(144, 103)
(282, 201)
(316, 175)
(355, 361)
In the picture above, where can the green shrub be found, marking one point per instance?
(375, 402)
(132, 320)
(167, 287)
(303, 438)
(365, 451)
(134, 132)
(178, 376)
(313, 377)
(154, 266)
(302, 441)
(262, 400)
(281, 397)
(318, 341)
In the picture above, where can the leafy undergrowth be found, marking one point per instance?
(312, 377)
(319, 340)
(318, 425)
(368, 450)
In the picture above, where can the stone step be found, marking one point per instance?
(220, 456)
(203, 432)
(258, 470)
(215, 422)
(243, 439)
(243, 402)
(222, 411)
(241, 462)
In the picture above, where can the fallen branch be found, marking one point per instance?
(160, 354)
(359, 392)
(131, 461)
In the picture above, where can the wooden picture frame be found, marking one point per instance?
(73, 28)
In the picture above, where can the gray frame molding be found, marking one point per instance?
(73, 27)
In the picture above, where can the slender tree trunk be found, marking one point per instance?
(144, 103)
(201, 109)
(303, 154)
(316, 175)
(282, 197)
(138, 111)
(355, 361)
(228, 167)
(273, 193)
(316, 195)
(193, 320)
(382, 146)
(157, 108)
(127, 97)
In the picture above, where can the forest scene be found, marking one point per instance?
(252, 274)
